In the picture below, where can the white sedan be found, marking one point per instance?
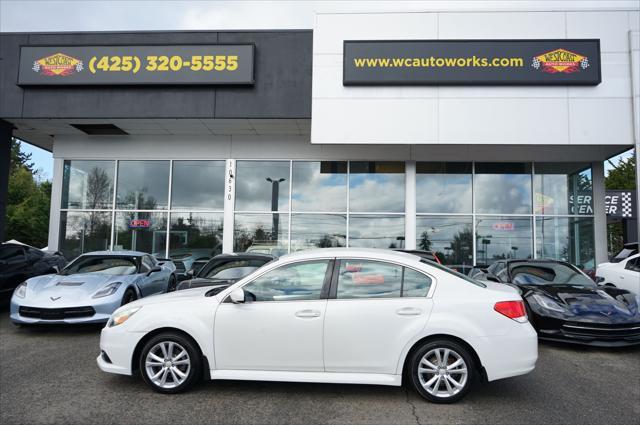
(339, 315)
(623, 274)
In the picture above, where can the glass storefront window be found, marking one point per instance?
(318, 231)
(263, 233)
(141, 231)
(566, 238)
(499, 238)
(376, 231)
(451, 238)
(443, 187)
(563, 189)
(262, 186)
(502, 188)
(198, 185)
(319, 186)
(195, 236)
(82, 232)
(87, 185)
(376, 186)
(143, 185)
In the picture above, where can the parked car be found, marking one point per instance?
(90, 288)
(627, 251)
(333, 315)
(20, 262)
(226, 269)
(624, 274)
(564, 304)
(188, 256)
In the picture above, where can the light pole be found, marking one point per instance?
(275, 190)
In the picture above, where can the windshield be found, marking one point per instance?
(102, 265)
(230, 269)
(548, 274)
(453, 272)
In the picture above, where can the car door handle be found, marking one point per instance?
(307, 313)
(409, 311)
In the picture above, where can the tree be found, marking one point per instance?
(425, 241)
(28, 200)
(623, 175)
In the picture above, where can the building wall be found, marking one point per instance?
(560, 115)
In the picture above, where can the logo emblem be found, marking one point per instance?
(55, 298)
(58, 64)
(560, 61)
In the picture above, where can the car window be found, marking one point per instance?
(291, 282)
(633, 265)
(147, 264)
(11, 254)
(220, 269)
(415, 284)
(368, 279)
(110, 265)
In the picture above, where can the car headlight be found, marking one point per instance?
(110, 289)
(122, 316)
(21, 290)
(548, 303)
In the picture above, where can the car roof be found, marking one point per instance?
(374, 253)
(256, 255)
(537, 260)
(121, 253)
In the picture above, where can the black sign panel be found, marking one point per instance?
(472, 62)
(122, 65)
(621, 203)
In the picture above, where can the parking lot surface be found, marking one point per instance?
(49, 375)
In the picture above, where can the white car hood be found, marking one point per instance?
(176, 296)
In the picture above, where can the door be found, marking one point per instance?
(279, 326)
(149, 285)
(374, 309)
(13, 267)
(630, 275)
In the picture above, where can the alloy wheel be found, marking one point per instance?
(442, 372)
(168, 364)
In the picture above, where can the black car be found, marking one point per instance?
(226, 269)
(564, 304)
(21, 262)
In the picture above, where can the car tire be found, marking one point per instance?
(129, 296)
(168, 370)
(442, 371)
(173, 283)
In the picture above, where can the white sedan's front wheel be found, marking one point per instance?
(170, 363)
(442, 371)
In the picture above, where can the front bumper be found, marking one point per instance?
(116, 349)
(36, 313)
(597, 335)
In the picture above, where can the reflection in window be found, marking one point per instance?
(376, 231)
(319, 186)
(318, 231)
(451, 238)
(563, 188)
(141, 231)
(415, 284)
(261, 233)
(566, 239)
(499, 238)
(293, 282)
(443, 187)
(376, 186)
(143, 185)
(87, 185)
(262, 186)
(198, 185)
(82, 232)
(503, 188)
(194, 236)
(369, 279)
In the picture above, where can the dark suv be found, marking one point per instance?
(21, 262)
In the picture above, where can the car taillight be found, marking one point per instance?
(512, 309)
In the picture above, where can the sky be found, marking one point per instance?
(125, 15)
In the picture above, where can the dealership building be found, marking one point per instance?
(477, 135)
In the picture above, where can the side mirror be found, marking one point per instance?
(154, 270)
(491, 278)
(237, 296)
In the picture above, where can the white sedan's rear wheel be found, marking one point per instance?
(442, 371)
(170, 363)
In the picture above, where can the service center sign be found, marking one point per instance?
(472, 62)
(124, 65)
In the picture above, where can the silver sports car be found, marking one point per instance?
(91, 287)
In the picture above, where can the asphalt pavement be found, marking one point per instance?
(49, 376)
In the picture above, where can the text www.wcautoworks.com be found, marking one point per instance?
(437, 62)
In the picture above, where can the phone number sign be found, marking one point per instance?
(130, 65)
